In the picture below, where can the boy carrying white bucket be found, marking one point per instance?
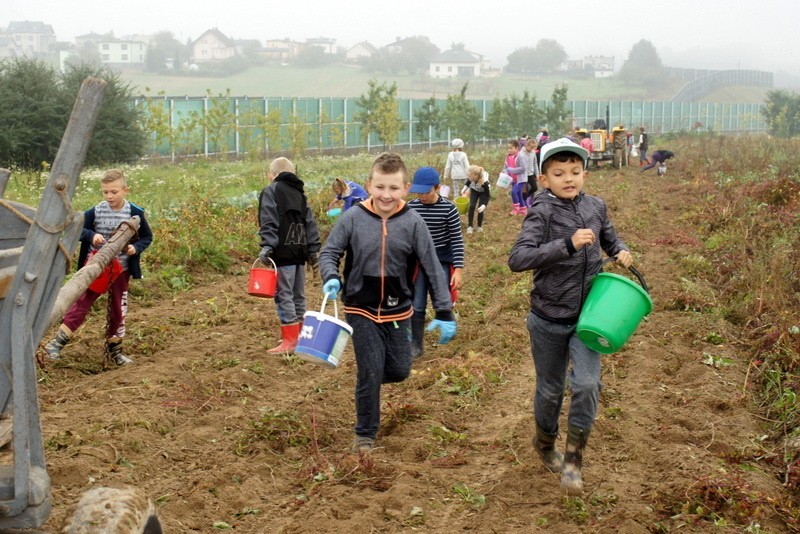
(383, 239)
(561, 242)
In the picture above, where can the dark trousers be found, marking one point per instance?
(383, 355)
(476, 199)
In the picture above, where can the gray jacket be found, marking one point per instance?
(561, 274)
(380, 257)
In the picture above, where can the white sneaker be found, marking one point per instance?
(480, 228)
(469, 229)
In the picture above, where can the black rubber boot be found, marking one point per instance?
(54, 346)
(571, 481)
(545, 445)
(417, 335)
(115, 354)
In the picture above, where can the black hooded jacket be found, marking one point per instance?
(287, 225)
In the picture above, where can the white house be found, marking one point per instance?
(360, 52)
(456, 63)
(121, 52)
(33, 38)
(603, 66)
(213, 45)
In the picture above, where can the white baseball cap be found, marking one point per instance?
(561, 145)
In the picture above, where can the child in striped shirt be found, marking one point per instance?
(441, 217)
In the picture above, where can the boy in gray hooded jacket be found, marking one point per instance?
(561, 240)
(382, 241)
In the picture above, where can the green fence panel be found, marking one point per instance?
(208, 125)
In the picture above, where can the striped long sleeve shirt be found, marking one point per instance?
(444, 225)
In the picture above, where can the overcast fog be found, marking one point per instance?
(686, 33)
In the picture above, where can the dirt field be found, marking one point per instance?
(222, 435)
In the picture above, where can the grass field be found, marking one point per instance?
(343, 81)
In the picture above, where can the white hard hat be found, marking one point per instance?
(457, 143)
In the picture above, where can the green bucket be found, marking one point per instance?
(613, 309)
(462, 203)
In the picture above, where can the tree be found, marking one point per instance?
(165, 53)
(643, 66)
(521, 60)
(32, 113)
(415, 55)
(86, 54)
(118, 136)
(513, 116)
(782, 113)
(379, 112)
(461, 117)
(547, 56)
(557, 118)
(428, 119)
(313, 56)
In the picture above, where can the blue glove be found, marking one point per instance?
(447, 330)
(331, 288)
(264, 254)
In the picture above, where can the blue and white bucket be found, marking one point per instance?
(323, 338)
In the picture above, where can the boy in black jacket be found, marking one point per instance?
(561, 241)
(290, 237)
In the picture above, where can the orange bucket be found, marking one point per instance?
(263, 281)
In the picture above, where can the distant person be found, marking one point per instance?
(99, 224)
(585, 141)
(658, 157)
(514, 167)
(527, 155)
(347, 192)
(642, 145)
(479, 195)
(383, 240)
(290, 238)
(561, 241)
(455, 169)
(620, 140)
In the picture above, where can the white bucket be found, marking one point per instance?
(323, 338)
(504, 180)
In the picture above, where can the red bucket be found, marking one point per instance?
(107, 276)
(263, 281)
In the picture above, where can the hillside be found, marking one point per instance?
(342, 81)
(224, 436)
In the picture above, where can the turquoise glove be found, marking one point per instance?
(447, 330)
(331, 288)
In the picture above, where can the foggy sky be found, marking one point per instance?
(715, 34)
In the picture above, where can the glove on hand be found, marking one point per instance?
(331, 288)
(481, 208)
(264, 254)
(447, 330)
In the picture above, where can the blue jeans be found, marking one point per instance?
(290, 297)
(421, 286)
(553, 347)
(383, 355)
